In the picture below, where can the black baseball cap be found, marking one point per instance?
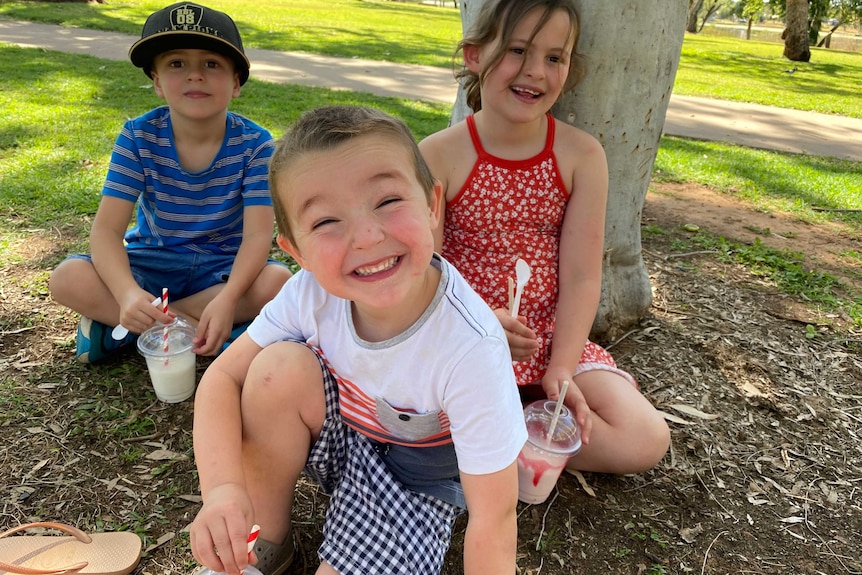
(186, 25)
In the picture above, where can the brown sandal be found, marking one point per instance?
(78, 553)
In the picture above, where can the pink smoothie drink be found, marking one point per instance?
(543, 458)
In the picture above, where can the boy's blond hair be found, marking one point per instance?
(328, 127)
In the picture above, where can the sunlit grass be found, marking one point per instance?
(396, 31)
(412, 33)
(773, 180)
(788, 271)
(750, 71)
(66, 110)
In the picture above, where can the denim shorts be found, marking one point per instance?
(183, 273)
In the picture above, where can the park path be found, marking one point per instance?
(749, 125)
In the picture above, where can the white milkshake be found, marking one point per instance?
(173, 381)
(170, 359)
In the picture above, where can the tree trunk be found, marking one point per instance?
(632, 51)
(796, 31)
(694, 7)
(712, 9)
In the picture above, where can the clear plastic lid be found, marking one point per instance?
(152, 342)
(566, 438)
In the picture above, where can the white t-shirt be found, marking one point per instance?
(452, 365)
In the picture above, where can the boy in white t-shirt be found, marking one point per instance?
(376, 369)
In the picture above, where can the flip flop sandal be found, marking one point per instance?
(98, 554)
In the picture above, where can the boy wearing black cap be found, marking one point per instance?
(198, 176)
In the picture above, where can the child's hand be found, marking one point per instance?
(219, 533)
(574, 400)
(523, 342)
(214, 327)
(137, 312)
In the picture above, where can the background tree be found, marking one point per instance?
(796, 37)
(699, 11)
(816, 12)
(632, 51)
(751, 10)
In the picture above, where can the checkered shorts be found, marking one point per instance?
(373, 524)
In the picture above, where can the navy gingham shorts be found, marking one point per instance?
(373, 523)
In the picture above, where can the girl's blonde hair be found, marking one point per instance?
(497, 19)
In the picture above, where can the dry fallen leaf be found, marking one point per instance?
(162, 540)
(693, 411)
(582, 481)
(674, 418)
(689, 534)
(164, 455)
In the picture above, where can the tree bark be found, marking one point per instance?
(632, 51)
(796, 31)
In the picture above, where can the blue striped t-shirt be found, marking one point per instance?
(183, 211)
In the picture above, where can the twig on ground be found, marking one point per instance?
(706, 554)
(687, 254)
(711, 496)
(155, 435)
(544, 519)
(20, 330)
(622, 337)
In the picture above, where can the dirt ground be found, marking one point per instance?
(763, 476)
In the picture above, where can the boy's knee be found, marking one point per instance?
(63, 279)
(284, 374)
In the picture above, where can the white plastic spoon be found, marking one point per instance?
(121, 331)
(522, 276)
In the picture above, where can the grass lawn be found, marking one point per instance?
(710, 66)
(68, 108)
(394, 31)
(756, 348)
(55, 147)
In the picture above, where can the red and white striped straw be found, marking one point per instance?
(252, 537)
(165, 329)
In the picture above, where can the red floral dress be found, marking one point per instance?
(508, 210)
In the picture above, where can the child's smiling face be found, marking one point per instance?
(361, 221)
(531, 72)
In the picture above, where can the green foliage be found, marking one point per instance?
(550, 541)
(646, 533)
(650, 537)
